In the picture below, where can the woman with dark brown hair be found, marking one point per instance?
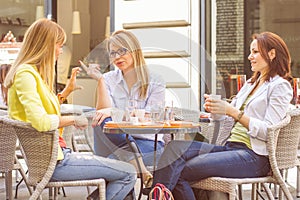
(262, 101)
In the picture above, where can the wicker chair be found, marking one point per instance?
(184, 114)
(282, 146)
(298, 176)
(217, 131)
(8, 158)
(40, 150)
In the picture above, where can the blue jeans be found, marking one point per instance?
(184, 162)
(115, 146)
(120, 176)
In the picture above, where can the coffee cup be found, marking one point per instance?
(215, 116)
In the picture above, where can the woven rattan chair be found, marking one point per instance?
(217, 131)
(298, 173)
(8, 158)
(184, 114)
(40, 150)
(282, 146)
(298, 176)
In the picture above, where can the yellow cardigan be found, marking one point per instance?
(30, 100)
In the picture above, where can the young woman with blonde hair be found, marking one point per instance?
(130, 81)
(31, 99)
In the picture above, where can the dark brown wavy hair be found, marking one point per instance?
(281, 64)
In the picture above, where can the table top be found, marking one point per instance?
(151, 128)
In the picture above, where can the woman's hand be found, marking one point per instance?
(99, 117)
(71, 86)
(93, 70)
(81, 122)
(217, 106)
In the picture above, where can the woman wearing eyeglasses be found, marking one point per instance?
(131, 80)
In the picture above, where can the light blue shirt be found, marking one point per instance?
(119, 94)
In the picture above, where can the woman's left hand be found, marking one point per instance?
(99, 117)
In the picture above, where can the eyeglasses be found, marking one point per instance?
(121, 52)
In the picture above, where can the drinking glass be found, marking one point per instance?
(129, 109)
(168, 111)
(117, 115)
(156, 112)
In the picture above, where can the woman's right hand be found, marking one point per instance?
(219, 106)
(81, 122)
(93, 70)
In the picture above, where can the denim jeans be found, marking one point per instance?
(115, 146)
(184, 162)
(120, 176)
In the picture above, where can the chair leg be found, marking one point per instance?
(17, 188)
(88, 189)
(8, 185)
(232, 197)
(55, 193)
(240, 192)
(298, 182)
(24, 178)
(268, 191)
(64, 192)
(50, 193)
(253, 191)
(102, 191)
(276, 191)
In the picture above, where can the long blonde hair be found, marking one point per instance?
(38, 49)
(123, 38)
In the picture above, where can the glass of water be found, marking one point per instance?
(157, 112)
(130, 107)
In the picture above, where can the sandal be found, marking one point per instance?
(148, 180)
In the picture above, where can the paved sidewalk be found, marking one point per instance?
(80, 193)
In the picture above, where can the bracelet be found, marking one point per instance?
(61, 98)
(240, 115)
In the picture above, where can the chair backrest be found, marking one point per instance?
(186, 114)
(222, 130)
(288, 139)
(40, 149)
(8, 141)
(217, 132)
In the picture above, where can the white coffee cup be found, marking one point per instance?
(134, 120)
(215, 116)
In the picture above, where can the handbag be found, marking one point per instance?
(160, 192)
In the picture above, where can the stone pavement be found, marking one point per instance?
(80, 193)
